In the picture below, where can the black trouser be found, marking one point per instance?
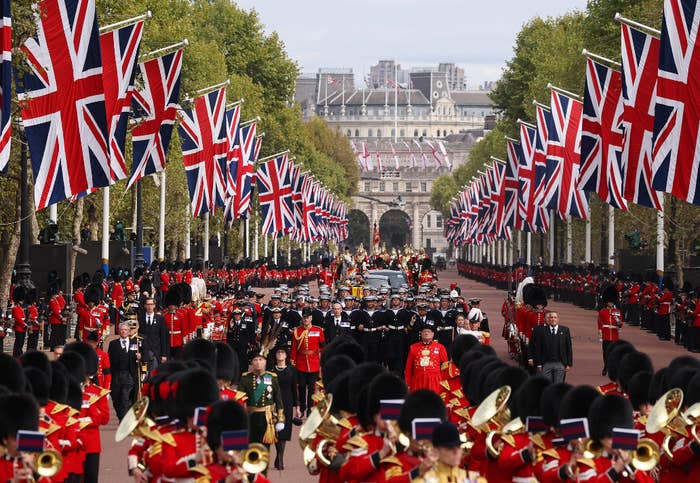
(122, 389)
(175, 353)
(679, 335)
(19, 343)
(663, 326)
(393, 353)
(91, 466)
(33, 340)
(306, 389)
(58, 335)
(633, 314)
(606, 344)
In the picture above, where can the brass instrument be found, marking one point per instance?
(136, 423)
(494, 407)
(48, 463)
(664, 417)
(592, 449)
(647, 455)
(255, 458)
(505, 434)
(691, 417)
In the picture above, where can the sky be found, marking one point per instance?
(477, 35)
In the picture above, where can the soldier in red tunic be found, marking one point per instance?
(307, 341)
(425, 358)
(174, 321)
(227, 370)
(663, 315)
(19, 316)
(609, 321)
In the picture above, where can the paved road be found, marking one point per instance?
(586, 370)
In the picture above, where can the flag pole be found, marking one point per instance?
(161, 221)
(539, 104)
(660, 242)
(632, 23)
(563, 91)
(247, 236)
(551, 237)
(525, 123)
(206, 240)
(256, 245)
(105, 229)
(124, 23)
(396, 103)
(601, 59)
(611, 236)
(274, 248)
(494, 158)
(184, 43)
(206, 90)
(528, 255)
(250, 121)
(237, 103)
(589, 257)
(569, 242)
(188, 233)
(286, 151)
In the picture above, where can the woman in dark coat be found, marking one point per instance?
(287, 378)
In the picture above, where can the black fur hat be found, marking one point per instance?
(691, 395)
(534, 294)
(360, 377)
(461, 345)
(577, 402)
(334, 366)
(227, 366)
(480, 386)
(40, 384)
(384, 386)
(638, 389)
(37, 359)
(75, 365)
(195, 388)
(608, 412)
(657, 387)
(615, 355)
(526, 400)
(201, 350)
(468, 375)
(422, 403)
(19, 411)
(468, 357)
(611, 295)
(224, 416)
(93, 293)
(58, 390)
(681, 378)
(343, 346)
(19, 294)
(11, 374)
(512, 376)
(88, 353)
(341, 393)
(74, 396)
(551, 399)
(185, 292)
(172, 297)
(631, 364)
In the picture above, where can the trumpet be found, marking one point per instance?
(48, 463)
(647, 455)
(255, 458)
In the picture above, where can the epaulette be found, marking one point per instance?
(537, 440)
(392, 460)
(52, 428)
(587, 461)
(155, 449)
(247, 373)
(71, 421)
(642, 420)
(552, 453)
(393, 472)
(241, 396)
(96, 397)
(356, 441)
(271, 373)
(344, 423)
(59, 407)
(444, 366)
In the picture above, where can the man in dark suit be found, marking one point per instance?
(123, 359)
(156, 340)
(336, 323)
(550, 349)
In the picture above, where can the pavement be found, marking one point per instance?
(586, 370)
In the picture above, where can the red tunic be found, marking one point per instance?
(20, 319)
(609, 323)
(55, 312)
(423, 366)
(173, 321)
(93, 414)
(306, 348)
(363, 460)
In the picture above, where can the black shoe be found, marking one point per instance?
(604, 373)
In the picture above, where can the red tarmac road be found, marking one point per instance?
(586, 370)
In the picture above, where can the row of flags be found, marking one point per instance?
(79, 98)
(402, 155)
(633, 137)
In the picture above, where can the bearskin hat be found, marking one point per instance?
(468, 357)
(74, 395)
(526, 400)
(468, 375)
(195, 388)
(681, 378)
(384, 386)
(58, 391)
(334, 366)
(158, 391)
(341, 393)
(224, 416)
(512, 376)
(422, 403)
(691, 395)
(577, 402)
(93, 293)
(550, 402)
(631, 364)
(680, 362)
(461, 345)
(608, 412)
(185, 292)
(11, 374)
(534, 295)
(19, 294)
(611, 295)
(616, 352)
(36, 359)
(172, 297)
(75, 365)
(202, 351)
(638, 389)
(19, 412)
(40, 384)
(88, 353)
(360, 377)
(227, 366)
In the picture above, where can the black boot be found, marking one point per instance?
(279, 460)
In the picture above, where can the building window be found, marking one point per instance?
(357, 133)
(379, 133)
(438, 133)
(368, 186)
(428, 243)
(415, 133)
(393, 133)
(402, 133)
(369, 133)
(409, 187)
(396, 187)
(438, 221)
(348, 133)
(427, 221)
(425, 132)
(424, 187)
(381, 186)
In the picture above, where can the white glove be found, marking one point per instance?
(279, 426)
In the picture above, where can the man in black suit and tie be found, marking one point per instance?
(336, 323)
(123, 359)
(156, 339)
(550, 348)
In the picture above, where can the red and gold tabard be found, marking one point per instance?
(423, 366)
(609, 323)
(306, 348)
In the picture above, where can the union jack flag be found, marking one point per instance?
(5, 86)
(233, 119)
(526, 178)
(601, 135)
(120, 51)
(309, 223)
(640, 54)
(242, 171)
(677, 111)
(64, 103)
(202, 130)
(563, 157)
(539, 160)
(155, 109)
(511, 186)
(297, 197)
(275, 195)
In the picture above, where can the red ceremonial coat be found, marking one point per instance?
(423, 366)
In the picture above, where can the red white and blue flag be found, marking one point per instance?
(539, 160)
(563, 158)
(527, 211)
(275, 195)
(63, 102)
(155, 109)
(511, 186)
(640, 54)
(677, 110)
(601, 135)
(5, 86)
(233, 120)
(242, 171)
(120, 51)
(204, 138)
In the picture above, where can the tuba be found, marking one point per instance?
(136, 423)
(319, 423)
(494, 408)
(665, 417)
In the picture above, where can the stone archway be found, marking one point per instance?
(358, 230)
(395, 229)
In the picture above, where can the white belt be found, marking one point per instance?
(395, 327)
(610, 327)
(370, 330)
(175, 332)
(524, 479)
(444, 328)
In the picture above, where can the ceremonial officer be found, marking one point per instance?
(307, 341)
(424, 361)
(446, 327)
(609, 322)
(265, 407)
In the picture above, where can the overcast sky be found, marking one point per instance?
(477, 35)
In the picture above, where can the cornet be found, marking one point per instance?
(255, 459)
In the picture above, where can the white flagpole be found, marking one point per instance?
(188, 239)
(289, 251)
(256, 244)
(520, 247)
(510, 252)
(660, 241)
(551, 238)
(589, 257)
(105, 229)
(161, 222)
(206, 239)
(53, 212)
(569, 242)
(247, 237)
(265, 245)
(611, 236)
(528, 255)
(274, 249)
(396, 103)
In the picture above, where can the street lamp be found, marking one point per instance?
(24, 269)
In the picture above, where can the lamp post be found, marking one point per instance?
(24, 269)
(138, 247)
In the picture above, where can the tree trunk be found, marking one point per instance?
(94, 221)
(34, 225)
(77, 223)
(133, 209)
(9, 257)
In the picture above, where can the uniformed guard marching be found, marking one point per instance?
(265, 408)
(609, 321)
